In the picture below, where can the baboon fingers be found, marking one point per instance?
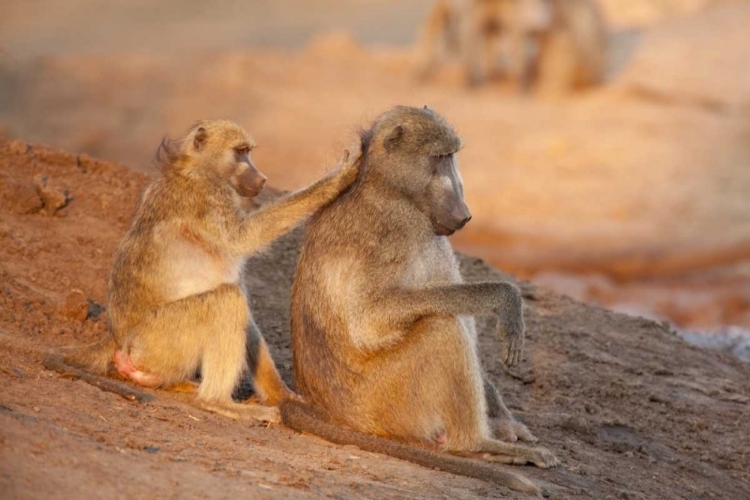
(185, 387)
(268, 414)
(523, 433)
(348, 167)
(541, 457)
(249, 411)
(544, 459)
(512, 353)
(512, 431)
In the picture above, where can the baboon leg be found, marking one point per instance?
(435, 39)
(495, 406)
(398, 310)
(474, 51)
(558, 65)
(512, 453)
(266, 379)
(503, 425)
(206, 330)
(518, 63)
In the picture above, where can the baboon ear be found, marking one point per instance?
(392, 140)
(199, 140)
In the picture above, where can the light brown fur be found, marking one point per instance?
(176, 300)
(555, 45)
(572, 53)
(382, 329)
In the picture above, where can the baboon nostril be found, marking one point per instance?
(262, 183)
(465, 220)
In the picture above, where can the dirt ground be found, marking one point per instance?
(631, 410)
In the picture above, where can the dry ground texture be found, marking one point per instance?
(631, 410)
(641, 184)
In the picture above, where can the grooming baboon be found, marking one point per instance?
(176, 301)
(558, 44)
(382, 330)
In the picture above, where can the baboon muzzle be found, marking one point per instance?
(251, 182)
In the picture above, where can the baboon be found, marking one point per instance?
(383, 336)
(558, 44)
(176, 299)
(572, 53)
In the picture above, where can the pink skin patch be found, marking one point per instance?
(126, 368)
(440, 438)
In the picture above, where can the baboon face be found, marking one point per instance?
(227, 148)
(444, 201)
(246, 178)
(535, 16)
(415, 150)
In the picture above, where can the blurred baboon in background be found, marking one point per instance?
(557, 45)
(572, 54)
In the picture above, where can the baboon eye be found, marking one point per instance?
(243, 150)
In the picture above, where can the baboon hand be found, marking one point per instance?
(512, 348)
(510, 317)
(347, 169)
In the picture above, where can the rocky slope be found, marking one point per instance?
(632, 411)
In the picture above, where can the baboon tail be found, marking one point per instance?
(90, 363)
(94, 358)
(302, 418)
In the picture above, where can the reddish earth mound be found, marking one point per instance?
(631, 410)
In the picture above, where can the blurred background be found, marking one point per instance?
(632, 193)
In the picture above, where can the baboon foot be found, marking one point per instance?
(511, 453)
(541, 457)
(186, 387)
(249, 411)
(512, 431)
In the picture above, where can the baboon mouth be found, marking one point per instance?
(441, 229)
(249, 192)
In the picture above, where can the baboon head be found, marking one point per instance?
(221, 146)
(412, 151)
(534, 16)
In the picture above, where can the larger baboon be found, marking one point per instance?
(176, 299)
(382, 330)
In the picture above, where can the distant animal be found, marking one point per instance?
(556, 45)
(176, 298)
(383, 337)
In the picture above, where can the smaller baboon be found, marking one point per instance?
(555, 44)
(383, 336)
(176, 298)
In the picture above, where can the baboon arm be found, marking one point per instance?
(397, 310)
(403, 307)
(270, 222)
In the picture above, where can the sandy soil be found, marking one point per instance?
(632, 411)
